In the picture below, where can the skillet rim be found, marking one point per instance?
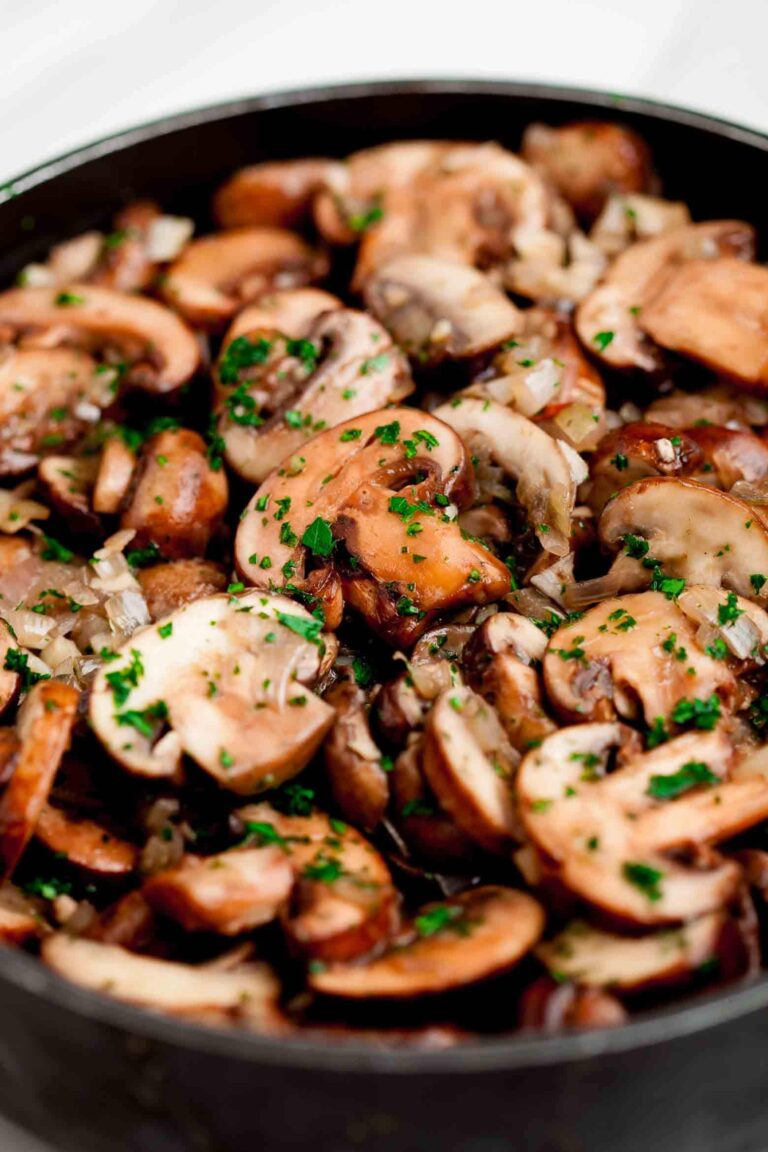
(518, 1051)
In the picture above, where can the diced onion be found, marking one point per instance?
(30, 628)
(166, 236)
(127, 611)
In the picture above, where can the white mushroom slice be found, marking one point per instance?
(345, 904)
(161, 352)
(610, 835)
(113, 478)
(290, 312)
(230, 893)
(229, 678)
(437, 310)
(716, 312)
(635, 656)
(608, 320)
(547, 471)
(471, 937)
(598, 959)
(40, 391)
(216, 275)
(44, 728)
(278, 193)
(66, 483)
(470, 765)
(345, 365)
(353, 761)
(246, 995)
(692, 531)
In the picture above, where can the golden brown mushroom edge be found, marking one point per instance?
(383, 579)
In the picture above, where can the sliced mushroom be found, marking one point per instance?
(470, 764)
(229, 679)
(612, 836)
(290, 312)
(353, 761)
(159, 351)
(438, 310)
(178, 499)
(692, 532)
(547, 471)
(627, 217)
(48, 398)
(129, 923)
(85, 844)
(142, 240)
(551, 1006)
(10, 681)
(167, 587)
(428, 831)
(67, 484)
(631, 964)
(116, 468)
(633, 656)
(731, 456)
(608, 321)
(345, 903)
(20, 920)
(216, 275)
(275, 194)
(714, 311)
(721, 405)
(246, 995)
(469, 938)
(45, 729)
(635, 451)
(230, 893)
(588, 161)
(344, 365)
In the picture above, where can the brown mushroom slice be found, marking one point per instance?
(438, 310)
(230, 679)
(216, 275)
(20, 920)
(587, 161)
(473, 936)
(160, 352)
(167, 587)
(115, 471)
(48, 398)
(693, 532)
(611, 835)
(345, 366)
(551, 1006)
(721, 405)
(638, 450)
(730, 455)
(715, 312)
(391, 447)
(247, 994)
(67, 484)
(10, 681)
(470, 764)
(631, 656)
(400, 593)
(178, 499)
(345, 903)
(547, 471)
(353, 761)
(129, 922)
(428, 831)
(608, 320)
(44, 728)
(628, 964)
(229, 893)
(290, 312)
(274, 194)
(85, 844)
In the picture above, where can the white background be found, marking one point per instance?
(74, 70)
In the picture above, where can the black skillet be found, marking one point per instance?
(88, 1074)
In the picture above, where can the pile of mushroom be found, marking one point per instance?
(384, 596)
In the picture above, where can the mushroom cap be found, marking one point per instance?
(290, 312)
(607, 321)
(116, 468)
(359, 784)
(277, 193)
(85, 844)
(258, 725)
(167, 587)
(355, 369)
(546, 470)
(163, 352)
(715, 312)
(437, 309)
(248, 993)
(478, 934)
(215, 275)
(694, 532)
(631, 655)
(229, 893)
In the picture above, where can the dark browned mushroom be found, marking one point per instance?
(275, 194)
(167, 587)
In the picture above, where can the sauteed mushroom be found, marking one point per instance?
(275, 194)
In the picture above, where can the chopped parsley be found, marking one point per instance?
(690, 775)
(601, 340)
(318, 537)
(644, 878)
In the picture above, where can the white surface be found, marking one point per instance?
(74, 71)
